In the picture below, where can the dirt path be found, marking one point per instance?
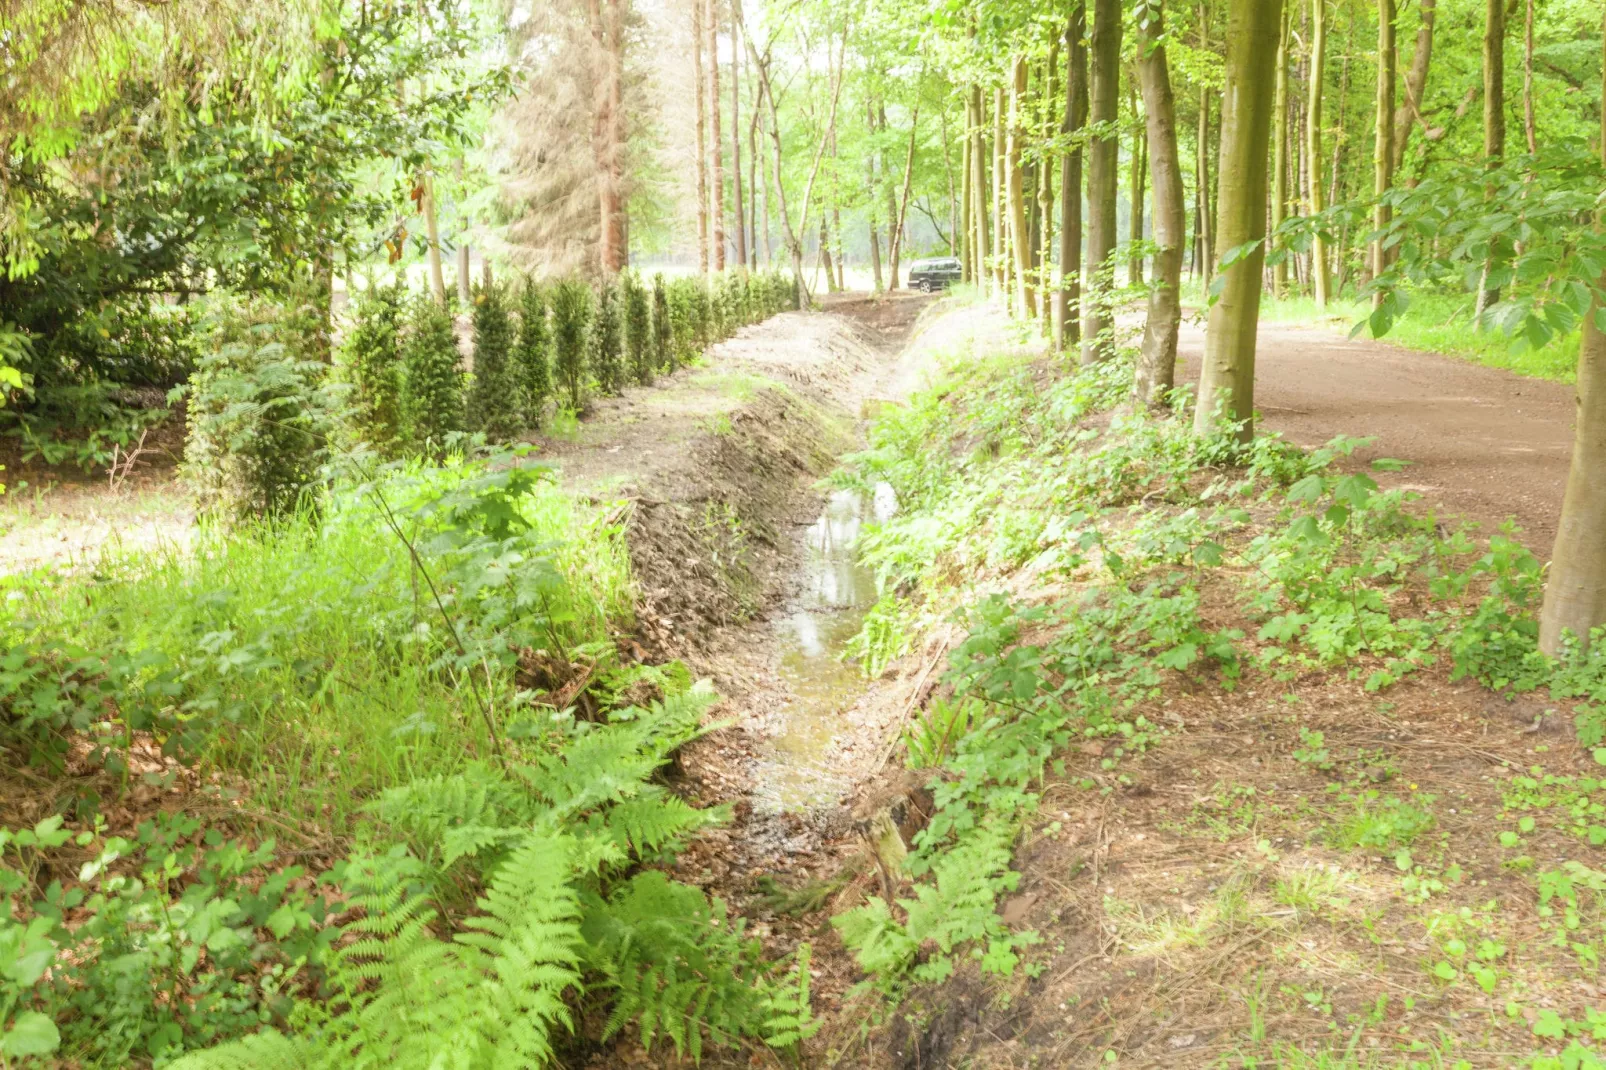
(1485, 443)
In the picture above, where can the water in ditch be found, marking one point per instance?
(837, 591)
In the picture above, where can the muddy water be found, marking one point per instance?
(811, 635)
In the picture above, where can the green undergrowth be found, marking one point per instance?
(1093, 558)
(418, 684)
(1439, 323)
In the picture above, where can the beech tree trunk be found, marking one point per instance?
(1279, 156)
(1314, 193)
(1067, 298)
(1157, 360)
(1045, 192)
(895, 239)
(1019, 240)
(964, 240)
(978, 189)
(1138, 176)
(1103, 178)
(1207, 263)
(1575, 592)
(1416, 84)
(1383, 146)
(1000, 227)
(1227, 377)
(1528, 79)
(1494, 120)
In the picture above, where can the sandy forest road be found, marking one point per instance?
(1482, 442)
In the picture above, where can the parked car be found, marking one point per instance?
(937, 274)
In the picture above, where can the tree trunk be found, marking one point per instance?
(736, 147)
(1227, 378)
(1383, 146)
(1202, 172)
(1416, 84)
(825, 257)
(954, 224)
(432, 230)
(1045, 192)
(963, 235)
(608, 29)
(1000, 228)
(1067, 299)
(1019, 239)
(703, 254)
(978, 189)
(1279, 156)
(1528, 79)
(1102, 180)
(1494, 121)
(1575, 592)
(1157, 360)
(896, 238)
(716, 206)
(871, 160)
(1314, 194)
(1138, 176)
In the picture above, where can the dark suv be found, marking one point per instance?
(938, 274)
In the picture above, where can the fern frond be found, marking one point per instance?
(267, 1050)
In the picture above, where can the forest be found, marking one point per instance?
(802, 533)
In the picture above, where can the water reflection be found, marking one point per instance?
(836, 592)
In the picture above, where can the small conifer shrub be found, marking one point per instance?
(432, 398)
(572, 305)
(532, 354)
(607, 340)
(371, 363)
(663, 347)
(493, 403)
(638, 330)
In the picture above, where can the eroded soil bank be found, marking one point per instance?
(746, 571)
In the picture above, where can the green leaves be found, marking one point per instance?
(31, 1033)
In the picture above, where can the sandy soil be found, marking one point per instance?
(1482, 442)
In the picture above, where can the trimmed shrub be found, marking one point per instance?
(572, 304)
(663, 349)
(607, 341)
(638, 329)
(532, 354)
(493, 400)
(432, 397)
(371, 363)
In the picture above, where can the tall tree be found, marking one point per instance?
(895, 236)
(1138, 164)
(736, 147)
(1045, 187)
(1000, 168)
(1158, 358)
(1102, 179)
(608, 29)
(1416, 83)
(978, 187)
(1019, 239)
(1494, 123)
(1575, 592)
(1227, 377)
(1314, 194)
(702, 134)
(424, 194)
(1383, 143)
(1279, 153)
(716, 142)
(1067, 298)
